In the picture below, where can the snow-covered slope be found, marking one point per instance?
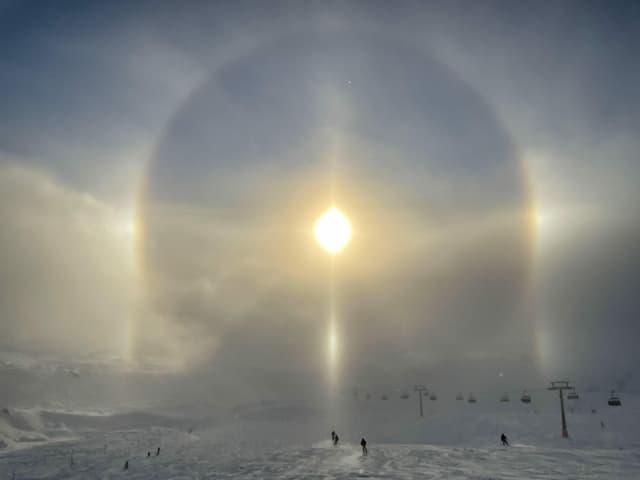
(183, 457)
(276, 440)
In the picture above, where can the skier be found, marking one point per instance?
(333, 436)
(363, 444)
(126, 465)
(148, 454)
(336, 439)
(158, 452)
(503, 439)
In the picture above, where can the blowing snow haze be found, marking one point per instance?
(163, 164)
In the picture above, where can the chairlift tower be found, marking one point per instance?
(420, 389)
(561, 386)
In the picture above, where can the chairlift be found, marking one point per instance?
(573, 395)
(433, 397)
(459, 397)
(471, 398)
(504, 397)
(614, 399)
(526, 398)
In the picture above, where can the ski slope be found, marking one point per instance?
(323, 461)
(453, 441)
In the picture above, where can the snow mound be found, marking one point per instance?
(24, 428)
(29, 427)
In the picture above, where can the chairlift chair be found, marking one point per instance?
(573, 395)
(433, 397)
(614, 399)
(471, 398)
(404, 396)
(459, 397)
(526, 398)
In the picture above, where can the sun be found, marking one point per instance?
(332, 230)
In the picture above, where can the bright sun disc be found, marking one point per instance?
(332, 230)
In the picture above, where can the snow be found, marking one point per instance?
(282, 441)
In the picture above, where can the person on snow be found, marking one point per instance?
(158, 452)
(503, 439)
(148, 454)
(126, 465)
(333, 436)
(336, 439)
(363, 444)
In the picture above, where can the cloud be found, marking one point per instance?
(66, 267)
(587, 305)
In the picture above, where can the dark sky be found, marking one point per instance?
(162, 165)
